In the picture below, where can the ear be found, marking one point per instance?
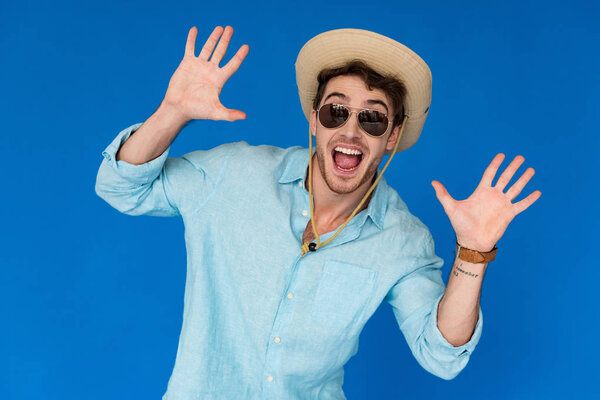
(391, 141)
(313, 122)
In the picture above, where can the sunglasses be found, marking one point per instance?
(373, 122)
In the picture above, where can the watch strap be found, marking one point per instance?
(474, 256)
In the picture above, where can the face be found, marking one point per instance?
(340, 171)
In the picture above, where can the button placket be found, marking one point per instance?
(274, 349)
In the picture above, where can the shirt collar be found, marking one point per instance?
(294, 165)
(294, 168)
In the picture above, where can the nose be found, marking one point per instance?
(351, 128)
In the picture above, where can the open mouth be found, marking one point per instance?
(346, 160)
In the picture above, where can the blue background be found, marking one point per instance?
(91, 300)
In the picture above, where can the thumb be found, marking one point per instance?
(236, 114)
(443, 196)
(229, 114)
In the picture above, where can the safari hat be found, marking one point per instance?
(387, 57)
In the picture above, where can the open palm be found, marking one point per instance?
(480, 220)
(195, 86)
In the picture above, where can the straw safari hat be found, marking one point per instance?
(386, 56)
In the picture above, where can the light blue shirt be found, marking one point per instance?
(259, 321)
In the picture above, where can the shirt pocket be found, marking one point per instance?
(342, 295)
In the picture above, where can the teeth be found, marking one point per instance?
(348, 151)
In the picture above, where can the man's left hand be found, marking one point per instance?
(480, 220)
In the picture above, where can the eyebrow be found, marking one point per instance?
(369, 102)
(338, 94)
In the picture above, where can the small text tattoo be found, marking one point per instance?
(456, 267)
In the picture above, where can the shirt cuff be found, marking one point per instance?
(439, 343)
(141, 174)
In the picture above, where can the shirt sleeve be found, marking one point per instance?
(414, 300)
(159, 187)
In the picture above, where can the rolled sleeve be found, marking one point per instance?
(140, 174)
(135, 189)
(415, 299)
(450, 360)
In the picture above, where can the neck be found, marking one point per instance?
(332, 209)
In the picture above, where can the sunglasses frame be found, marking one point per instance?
(352, 110)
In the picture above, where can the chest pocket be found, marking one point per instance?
(343, 292)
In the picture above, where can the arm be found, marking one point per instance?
(154, 136)
(479, 222)
(415, 299)
(458, 310)
(193, 93)
(136, 176)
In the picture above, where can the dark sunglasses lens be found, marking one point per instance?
(373, 122)
(333, 115)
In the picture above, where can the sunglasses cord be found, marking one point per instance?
(306, 246)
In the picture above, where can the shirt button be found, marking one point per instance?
(277, 339)
(270, 378)
(290, 296)
(305, 213)
(300, 183)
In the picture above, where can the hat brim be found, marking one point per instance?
(387, 57)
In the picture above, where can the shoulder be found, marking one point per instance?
(409, 234)
(240, 149)
(399, 217)
(201, 158)
(241, 160)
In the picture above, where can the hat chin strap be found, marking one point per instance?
(306, 246)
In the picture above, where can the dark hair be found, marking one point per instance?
(391, 86)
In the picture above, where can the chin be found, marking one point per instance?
(339, 186)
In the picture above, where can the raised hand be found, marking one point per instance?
(195, 86)
(480, 220)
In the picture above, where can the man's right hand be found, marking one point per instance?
(194, 88)
(193, 93)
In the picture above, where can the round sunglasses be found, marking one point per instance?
(373, 122)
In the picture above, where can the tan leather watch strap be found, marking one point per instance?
(474, 256)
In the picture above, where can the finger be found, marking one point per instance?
(443, 196)
(209, 46)
(509, 172)
(490, 171)
(222, 46)
(233, 64)
(520, 184)
(522, 205)
(190, 45)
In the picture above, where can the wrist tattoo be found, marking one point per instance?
(456, 267)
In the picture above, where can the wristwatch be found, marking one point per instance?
(474, 256)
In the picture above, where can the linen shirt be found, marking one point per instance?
(259, 321)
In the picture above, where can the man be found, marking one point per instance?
(290, 252)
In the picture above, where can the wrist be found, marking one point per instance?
(475, 256)
(172, 114)
(474, 244)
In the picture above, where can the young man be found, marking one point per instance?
(290, 252)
